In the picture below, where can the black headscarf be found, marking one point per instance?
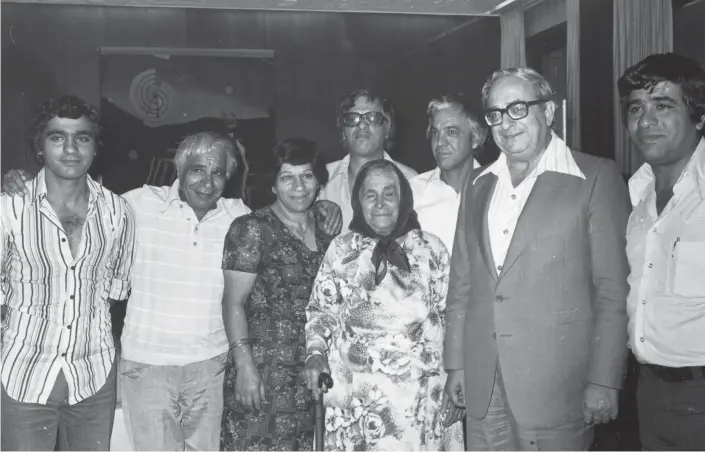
(387, 249)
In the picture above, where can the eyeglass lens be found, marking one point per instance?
(373, 118)
(516, 110)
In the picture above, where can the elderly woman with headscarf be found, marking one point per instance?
(375, 322)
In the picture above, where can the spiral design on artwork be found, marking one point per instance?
(151, 97)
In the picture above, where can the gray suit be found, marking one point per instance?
(555, 317)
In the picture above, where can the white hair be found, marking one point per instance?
(202, 143)
(455, 103)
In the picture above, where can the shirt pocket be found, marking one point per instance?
(686, 273)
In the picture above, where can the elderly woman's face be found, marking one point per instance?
(379, 199)
(296, 187)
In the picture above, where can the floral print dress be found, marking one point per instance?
(384, 346)
(260, 243)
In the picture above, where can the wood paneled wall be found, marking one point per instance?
(462, 62)
(52, 49)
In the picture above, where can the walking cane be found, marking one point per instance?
(323, 379)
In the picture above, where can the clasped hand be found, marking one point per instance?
(313, 368)
(600, 404)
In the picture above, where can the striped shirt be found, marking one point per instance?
(58, 316)
(174, 316)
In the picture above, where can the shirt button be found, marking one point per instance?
(195, 243)
(641, 339)
(643, 301)
(72, 297)
(68, 327)
(506, 231)
(499, 298)
(63, 240)
(63, 355)
(499, 267)
(514, 196)
(650, 265)
(196, 229)
(494, 335)
(188, 219)
(73, 267)
(181, 206)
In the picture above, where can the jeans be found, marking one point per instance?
(86, 425)
(173, 407)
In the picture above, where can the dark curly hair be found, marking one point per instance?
(67, 106)
(299, 151)
(667, 67)
(348, 102)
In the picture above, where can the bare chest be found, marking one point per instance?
(72, 221)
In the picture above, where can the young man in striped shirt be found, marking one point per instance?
(67, 255)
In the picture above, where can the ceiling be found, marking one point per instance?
(440, 7)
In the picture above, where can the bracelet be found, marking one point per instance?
(240, 343)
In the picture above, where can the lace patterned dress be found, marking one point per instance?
(384, 346)
(260, 243)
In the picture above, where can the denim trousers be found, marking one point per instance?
(173, 407)
(86, 425)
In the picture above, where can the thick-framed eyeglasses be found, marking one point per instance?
(372, 118)
(515, 110)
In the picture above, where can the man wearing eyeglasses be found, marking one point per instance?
(366, 126)
(536, 309)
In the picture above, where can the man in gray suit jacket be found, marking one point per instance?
(536, 337)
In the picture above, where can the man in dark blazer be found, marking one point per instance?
(536, 336)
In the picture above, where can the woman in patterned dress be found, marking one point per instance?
(376, 324)
(269, 263)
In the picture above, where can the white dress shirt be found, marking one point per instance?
(338, 189)
(174, 316)
(508, 201)
(436, 204)
(666, 252)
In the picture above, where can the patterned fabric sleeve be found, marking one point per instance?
(323, 307)
(440, 276)
(243, 245)
(434, 329)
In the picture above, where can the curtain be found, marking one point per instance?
(513, 38)
(641, 28)
(572, 132)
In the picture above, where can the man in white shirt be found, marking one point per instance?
(366, 126)
(174, 346)
(536, 338)
(663, 101)
(455, 134)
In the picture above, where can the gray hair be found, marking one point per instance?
(455, 102)
(541, 86)
(201, 143)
